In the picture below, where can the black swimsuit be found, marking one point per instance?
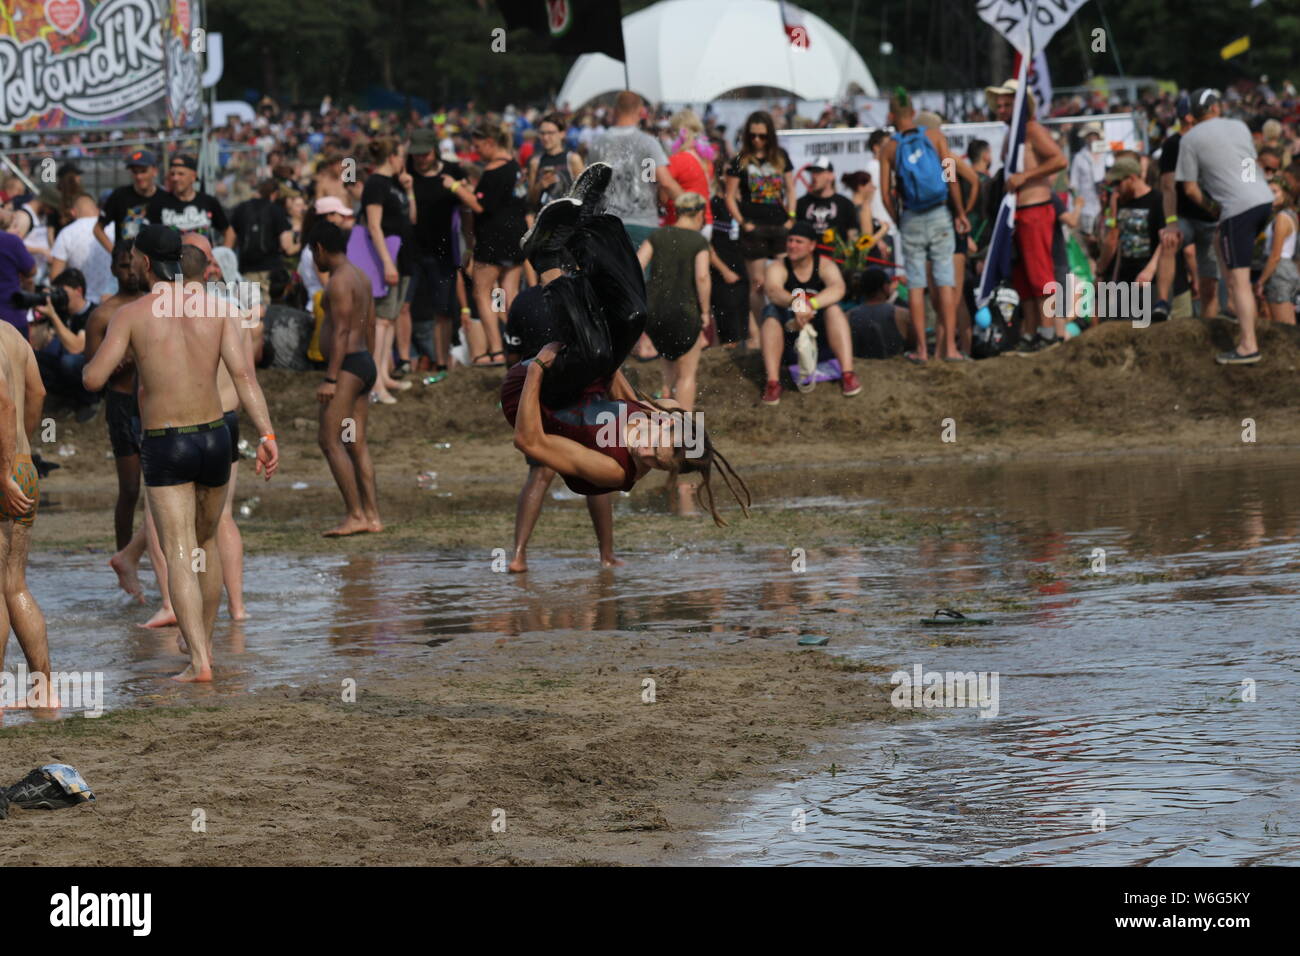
(362, 365)
(176, 456)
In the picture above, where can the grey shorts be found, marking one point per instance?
(1283, 284)
(1202, 234)
(391, 304)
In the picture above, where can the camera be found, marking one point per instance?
(58, 298)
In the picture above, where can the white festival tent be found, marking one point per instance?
(694, 51)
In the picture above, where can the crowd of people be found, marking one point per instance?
(414, 245)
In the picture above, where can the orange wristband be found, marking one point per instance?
(269, 436)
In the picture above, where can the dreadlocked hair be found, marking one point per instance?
(703, 465)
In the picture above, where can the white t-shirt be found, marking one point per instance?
(310, 277)
(77, 246)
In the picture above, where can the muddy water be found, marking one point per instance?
(1120, 733)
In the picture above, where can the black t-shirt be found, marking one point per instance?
(434, 205)
(126, 210)
(762, 189)
(828, 212)
(258, 225)
(202, 214)
(498, 229)
(1139, 222)
(387, 193)
(1168, 164)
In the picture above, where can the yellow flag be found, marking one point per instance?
(1234, 48)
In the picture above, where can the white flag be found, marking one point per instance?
(1027, 23)
(1040, 84)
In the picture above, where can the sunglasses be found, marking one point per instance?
(762, 136)
(1271, 170)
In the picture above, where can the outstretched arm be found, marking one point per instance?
(250, 394)
(562, 454)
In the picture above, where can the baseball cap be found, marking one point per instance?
(1202, 100)
(186, 160)
(423, 141)
(804, 229)
(1183, 105)
(68, 168)
(822, 164)
(162, 244)
(1090, 129)
(141, 157)
(328, 204)
(1123, 168)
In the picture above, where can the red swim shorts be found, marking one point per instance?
(1034, 267)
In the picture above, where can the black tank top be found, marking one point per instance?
(813, 284)
(563, 178)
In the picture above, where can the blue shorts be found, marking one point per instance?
(928, 237)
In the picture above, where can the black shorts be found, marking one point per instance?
(122, 415)
(232, 425)
(763, 241)
(1237, 235)
(433, 288)
(176, 456)
(674, 333)
(362, 365)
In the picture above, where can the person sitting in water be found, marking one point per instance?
(570, 406)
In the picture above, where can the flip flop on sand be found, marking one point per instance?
(947, 617)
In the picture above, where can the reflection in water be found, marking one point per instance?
(1121, 734)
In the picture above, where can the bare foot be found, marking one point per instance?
(350, 525)
(127, 578)
(238, 613)
(192, 676)
(611, 562)
(165, 617)
(519, 565)
(373, 525)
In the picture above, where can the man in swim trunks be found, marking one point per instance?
(21, 397)
(122, 416)
(185, 453)
(346, 338)
(229, 541)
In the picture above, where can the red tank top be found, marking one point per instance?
(586, 421)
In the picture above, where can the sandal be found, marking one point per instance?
(487, 355)
(947, 617)
(916, 359)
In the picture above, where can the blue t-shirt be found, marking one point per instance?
(14, 260)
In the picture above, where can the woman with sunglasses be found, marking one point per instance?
(760, 197)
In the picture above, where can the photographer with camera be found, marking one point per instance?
(59, 316)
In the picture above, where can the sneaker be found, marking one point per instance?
(1026, 345)
(400, 369)
(1233, 357)
(850, 385)
(86, 412)
(543, 244)
(589, 188)
(1160, 311)
(772, 394)
(1036, 344)
(805, 347)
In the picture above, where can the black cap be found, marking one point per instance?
(162, 244)
(67, 168)
(804, 229)
(1202, 100)
(184, 159)
(1183, 105)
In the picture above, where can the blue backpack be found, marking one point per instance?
(920, 175)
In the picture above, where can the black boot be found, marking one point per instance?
(543, 245)
(589, 188)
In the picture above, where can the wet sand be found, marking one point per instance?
(415, 772)
(553, 732)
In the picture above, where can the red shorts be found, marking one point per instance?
(1034, 267)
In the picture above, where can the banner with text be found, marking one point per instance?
(67, 63)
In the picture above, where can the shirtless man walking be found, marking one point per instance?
(1035, 217)
(185, 453)
(122, 415)
(347, 335)
(21, 397)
